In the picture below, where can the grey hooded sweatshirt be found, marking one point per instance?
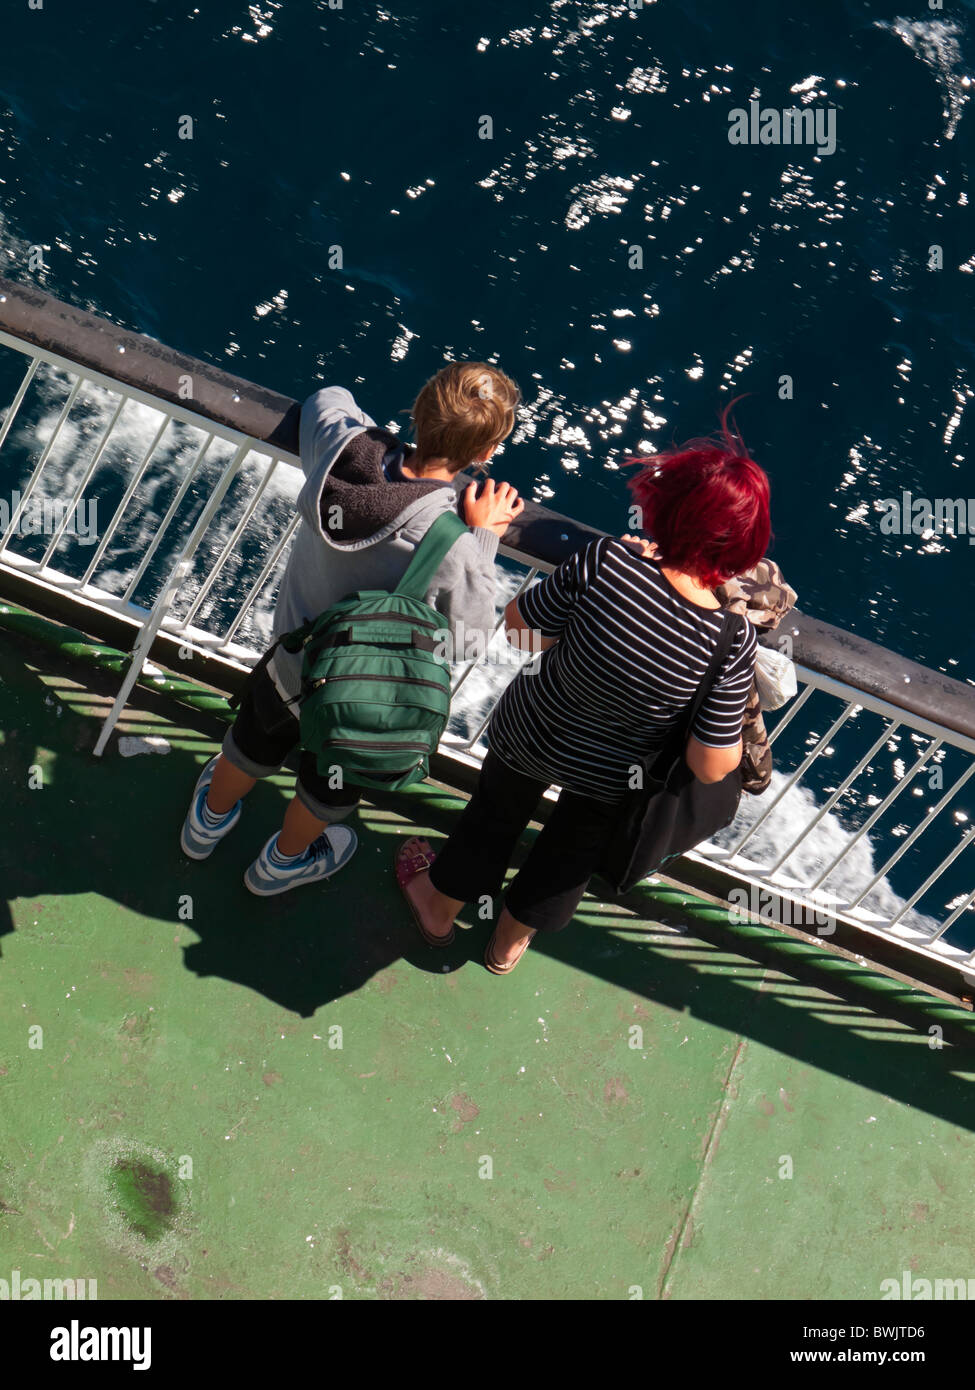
(374, 525)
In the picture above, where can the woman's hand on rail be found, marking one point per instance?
(648, 549)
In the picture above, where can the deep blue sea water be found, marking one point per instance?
(316, 127)
(356, 127)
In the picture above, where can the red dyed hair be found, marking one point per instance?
(706, 505)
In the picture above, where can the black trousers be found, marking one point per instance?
(549, 887)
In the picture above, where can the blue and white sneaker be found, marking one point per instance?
(202, 828)
(272, 873)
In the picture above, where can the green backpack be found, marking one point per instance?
(375, 692)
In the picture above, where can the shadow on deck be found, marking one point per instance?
(635, 1109)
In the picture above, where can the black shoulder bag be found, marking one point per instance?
(674, 810)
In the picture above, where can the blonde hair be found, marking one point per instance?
(466, 409)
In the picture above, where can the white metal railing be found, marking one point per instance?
(788, 840)
(98, 582)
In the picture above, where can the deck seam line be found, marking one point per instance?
(724, 1108)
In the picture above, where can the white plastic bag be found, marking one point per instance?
(775, 677)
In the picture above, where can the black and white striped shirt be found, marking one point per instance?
(631, 653)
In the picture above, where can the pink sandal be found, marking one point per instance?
(407, 868)
(494, 965)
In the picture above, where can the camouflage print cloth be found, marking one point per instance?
(763, 597)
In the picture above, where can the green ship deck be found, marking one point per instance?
(189, 1126)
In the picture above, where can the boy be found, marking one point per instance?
(368, 501)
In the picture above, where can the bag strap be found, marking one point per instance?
(429, 554)
(672, 750)
(721, 649)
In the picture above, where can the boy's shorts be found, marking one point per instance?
(266, 733)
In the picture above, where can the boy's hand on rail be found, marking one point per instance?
(494, 508)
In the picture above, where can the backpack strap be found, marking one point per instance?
(235, 700)
(290, 641)
(294, 641)
(429, 554)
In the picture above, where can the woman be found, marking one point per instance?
(627, 630)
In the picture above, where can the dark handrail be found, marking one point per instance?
(540, 535)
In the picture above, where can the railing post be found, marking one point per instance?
(143, 645)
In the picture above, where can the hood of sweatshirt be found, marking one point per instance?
(363, 495)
